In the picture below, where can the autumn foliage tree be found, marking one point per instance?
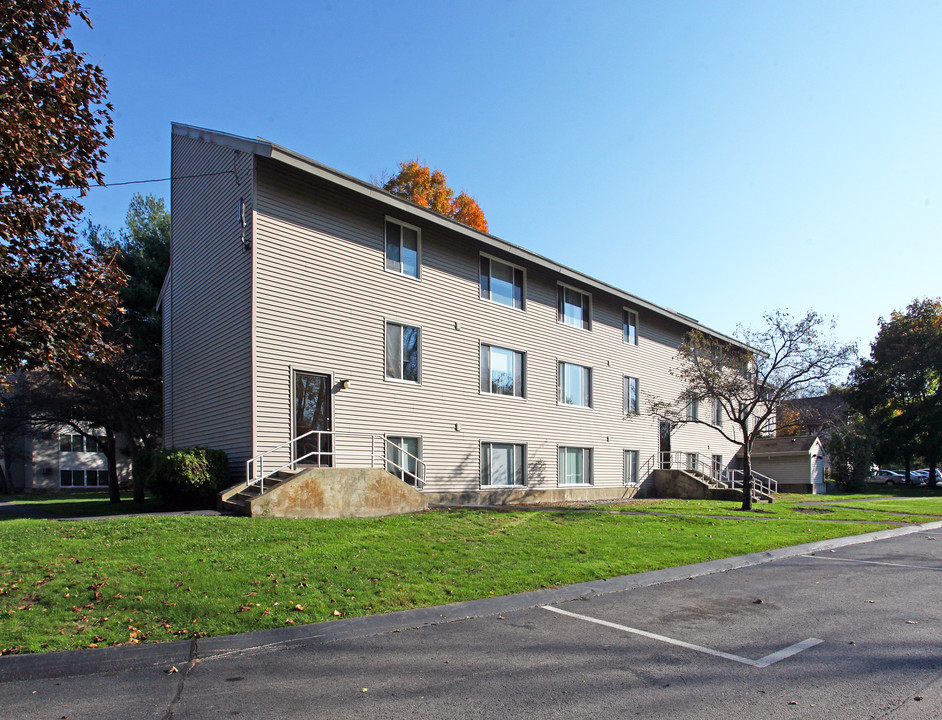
(429, 188)
(54, 123)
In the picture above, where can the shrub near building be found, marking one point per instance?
(184, 477)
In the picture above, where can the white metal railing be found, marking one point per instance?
(761, 484)
(325, 448)
(724, 478)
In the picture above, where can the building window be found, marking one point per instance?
(630, 395)
(402, 352)
(83, 478)
(574, 307)
(575, 466)
(693, 407)
(717, 413)
(402, 455)
(717, 466)
(402, 248)
(631, 467)
(692, 461)
(503, 464)
(630, 327)
(502, 371)
(76, 442)
(501, 282)
(575, 385)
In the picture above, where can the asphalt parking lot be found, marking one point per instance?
(851, 631)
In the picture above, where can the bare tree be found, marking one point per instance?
(788, 359)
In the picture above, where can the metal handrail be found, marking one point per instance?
(419, 473)
(255, 467)
(728, 478)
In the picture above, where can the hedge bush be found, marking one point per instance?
(184, 477)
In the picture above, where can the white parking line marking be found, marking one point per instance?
(873, 562)
(760, 663)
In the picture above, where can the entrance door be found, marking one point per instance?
(664, 445)
(312, 412)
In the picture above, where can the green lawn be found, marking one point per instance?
(896, 505)
(71, 584)
(89, 503)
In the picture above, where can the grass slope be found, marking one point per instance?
(71, 584)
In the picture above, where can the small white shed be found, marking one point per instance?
(796, 463)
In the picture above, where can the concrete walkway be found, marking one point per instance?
(12, 510)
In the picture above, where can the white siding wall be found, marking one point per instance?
(207, 321)
(323, 294)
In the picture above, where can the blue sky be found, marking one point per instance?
(723, 159)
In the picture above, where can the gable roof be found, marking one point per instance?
(264, 148)
(801, 444)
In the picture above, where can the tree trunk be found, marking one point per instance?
(746, 477)
(909, 467)
(6, 479)
(933, 464)
(114, 490)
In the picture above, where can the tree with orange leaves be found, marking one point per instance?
(429, 188)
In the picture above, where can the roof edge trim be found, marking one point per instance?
(214, 137)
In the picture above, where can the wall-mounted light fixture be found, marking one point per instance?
(344, 384)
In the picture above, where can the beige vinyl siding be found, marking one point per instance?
(165, 353)
(323, 297)
(208, 321)
(786, 470)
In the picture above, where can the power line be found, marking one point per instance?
(136, 182)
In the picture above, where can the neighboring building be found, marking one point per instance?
(302, 299)
(796, 463)
(40, 460)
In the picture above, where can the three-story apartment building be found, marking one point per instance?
(301, 300)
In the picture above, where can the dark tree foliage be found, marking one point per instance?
(54, 123)
(899, 387)
(122, 394)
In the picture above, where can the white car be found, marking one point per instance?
(924, 474)
(890, 477)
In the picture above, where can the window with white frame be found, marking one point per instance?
(693, 407)
(630, 327)
(502, 371)
(717, 412)
(717, 466)
(631, 467)
(402, 352)
(575, 466)
(575, 384)
(692, 461)
(402, 248)
(502, 282)
(83, 478)
(76, 442)
(630, 392)
(402, 456)
(574, 307)
(503, 464)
